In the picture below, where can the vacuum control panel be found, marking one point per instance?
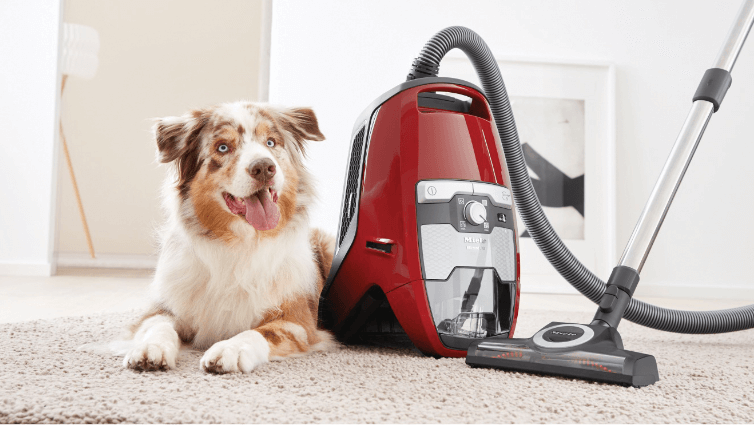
(474, 207)
(465, 224)
(467, 246)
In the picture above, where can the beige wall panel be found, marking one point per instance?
(157, 58)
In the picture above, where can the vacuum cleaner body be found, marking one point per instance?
(427, 222)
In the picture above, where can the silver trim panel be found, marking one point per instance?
(444, 248)
(438, 191)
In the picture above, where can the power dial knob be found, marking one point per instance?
(475, 213)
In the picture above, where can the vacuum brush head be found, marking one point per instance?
(590, 352)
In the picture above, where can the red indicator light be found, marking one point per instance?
(509, 354)
(587, 362)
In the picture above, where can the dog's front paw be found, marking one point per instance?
(242, 353)
(150, 356)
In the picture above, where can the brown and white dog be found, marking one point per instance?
(240, 271)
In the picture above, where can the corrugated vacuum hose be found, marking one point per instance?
(696, 322)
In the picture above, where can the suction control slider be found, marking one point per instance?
(620, 288)
(475, 213)
(609, 299)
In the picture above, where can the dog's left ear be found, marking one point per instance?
(302, 123)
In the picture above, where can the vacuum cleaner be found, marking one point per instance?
(427, 229)
(427, 244)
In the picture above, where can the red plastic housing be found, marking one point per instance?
(409, 144)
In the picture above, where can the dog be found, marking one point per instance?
(239, 272)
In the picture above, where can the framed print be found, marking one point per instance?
(565, 117)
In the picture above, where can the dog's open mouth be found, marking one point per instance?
(260, 209)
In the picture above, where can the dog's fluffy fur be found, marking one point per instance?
(244, 295)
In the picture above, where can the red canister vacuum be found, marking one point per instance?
(427, 240)
(427, 243)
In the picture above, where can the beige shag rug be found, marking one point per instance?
(704, 378)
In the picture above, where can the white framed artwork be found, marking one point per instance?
(565, 116)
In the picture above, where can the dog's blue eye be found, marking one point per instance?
(271, 143)
(223, 148)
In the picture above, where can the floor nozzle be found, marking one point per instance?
(590, 352)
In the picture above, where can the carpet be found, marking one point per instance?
(703, 378)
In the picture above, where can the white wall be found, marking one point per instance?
(156, 59)
(29, 93)
(338, 56)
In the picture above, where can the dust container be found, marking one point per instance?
(473, 303)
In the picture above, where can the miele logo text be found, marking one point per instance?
(470, 239)
(564, 333)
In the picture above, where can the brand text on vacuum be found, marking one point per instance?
(564, 333)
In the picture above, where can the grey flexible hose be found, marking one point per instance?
(681, 321)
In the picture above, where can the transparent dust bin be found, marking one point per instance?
(470, 305)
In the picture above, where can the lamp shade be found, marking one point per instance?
(80, 50)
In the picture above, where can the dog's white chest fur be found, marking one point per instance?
(221, 290)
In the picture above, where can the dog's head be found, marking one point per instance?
(237, 164)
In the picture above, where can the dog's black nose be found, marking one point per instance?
(262, 169)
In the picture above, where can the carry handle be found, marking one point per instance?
(478, 107)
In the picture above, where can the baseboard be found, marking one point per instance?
(546, 284)
(26, 269)
(732, 291)
(106, 261)
(536, 284)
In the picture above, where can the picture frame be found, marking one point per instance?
(563, 107)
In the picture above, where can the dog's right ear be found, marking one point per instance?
(177, 135)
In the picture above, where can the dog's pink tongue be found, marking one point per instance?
(262, 213)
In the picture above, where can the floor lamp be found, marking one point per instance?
(80, 49)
